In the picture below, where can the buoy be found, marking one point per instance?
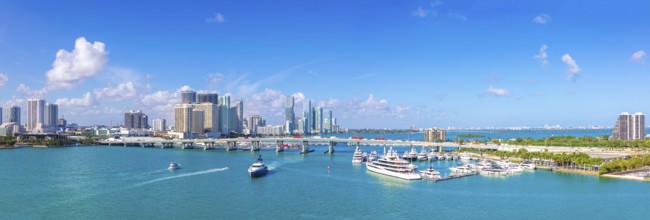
(328, 167)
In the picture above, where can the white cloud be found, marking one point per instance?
(498, 91)
(3, 79)
(572, 68)
(30, 93)
(542, 55)
(542, 19)
(268, 104)
(184, 88)
(215, 78)
(217, 18)
(638, 56)
(71, 68)
(85, 101)
(121, 92)
(420, 12)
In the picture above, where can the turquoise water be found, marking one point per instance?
(133, 183)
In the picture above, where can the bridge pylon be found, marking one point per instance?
(255, 146)
(231, 145)
(279, 147)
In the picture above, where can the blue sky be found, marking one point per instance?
(379, 64)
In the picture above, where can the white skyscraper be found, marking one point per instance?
(35, 113)
(159, 125)
(11, 114)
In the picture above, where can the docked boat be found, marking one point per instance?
(373, 156)
(463, 169)
(465, 157)
(357, 157)
(258, 169)
(527, 165)
(391, 165)
(410, 155)
(430, 174)
(422, 156)
(174, 166)
(432, 155)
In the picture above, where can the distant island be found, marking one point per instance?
(382, 131)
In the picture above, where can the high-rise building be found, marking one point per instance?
(254, 122)
(210, 118)
(197, 122)
(434, 134)
(136, 120)
(159, 125)
(188, 97)
(330, 123)
(629, 127)
(289, 115)
(35, 113)
(306, 117)
(11, 114)
(224, 115)
(207, 98)
(51, 115)
(237, 117)
(183, 119)
(319, 120)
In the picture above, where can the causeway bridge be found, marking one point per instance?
(254, 144)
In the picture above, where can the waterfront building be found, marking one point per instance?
(159, 125)
(224, 115)
(301, 126)
(306, 117)
(289, 115)
(629, 127)
(61, 123)
(35, 113)
(197, 122)
(330, 123)
(270, 130)
(237, 117)
(210, 118)
(51, 114)
(319, 120)
(136, 120)
(207, 98)
(434, 134)
(188, 97)
(254, 122)
(183, 119)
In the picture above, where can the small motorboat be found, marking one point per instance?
(174, 166)
(258, 169)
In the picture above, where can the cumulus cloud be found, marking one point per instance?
(572, 67)
(85, 101)
(29, 92)
(542, 55)
(638, 56)
(498, 91)
(216, 18)
(3, 79)
(73, 67)
(542, 19)
(120, 92)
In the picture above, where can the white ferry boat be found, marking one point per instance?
(391, 165)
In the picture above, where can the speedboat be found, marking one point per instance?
(430, 174)
(174, 166)
(258, 169)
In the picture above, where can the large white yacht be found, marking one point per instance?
(391, 165)
(258, 169)
(357, 157)
(422, 156)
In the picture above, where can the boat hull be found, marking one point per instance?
(406, 176)
(258, 172)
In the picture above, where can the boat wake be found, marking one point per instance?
(181, 176)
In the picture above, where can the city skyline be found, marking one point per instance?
(375, 64)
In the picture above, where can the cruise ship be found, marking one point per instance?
(391, 165)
